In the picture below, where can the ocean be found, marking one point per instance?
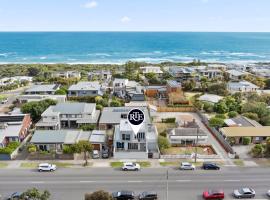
(119, 47)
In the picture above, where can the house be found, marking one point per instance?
(111, 116)
(14, 127)
(151, 69)
(68, 115)
(242, 86)
(257, 134)
(31, 98)
(42, 89)
(261, 71)
(236, 75)
(210, 98)
(16, 79)
(175, 93)
(187, 136)
(119, 87)
(103, 75)
(183, 73)
(210, 73)
(128, 145)
(83, 89)
(134, 91)
(54, 140)
(67, 74)
(241, 121)
(156, 91)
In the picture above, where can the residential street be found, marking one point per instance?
(71, 184)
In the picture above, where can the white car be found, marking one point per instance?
(268, 193)
(46, 167)
(95, 154)
(131, 167)
(187, 166)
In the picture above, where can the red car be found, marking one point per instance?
(213, 194)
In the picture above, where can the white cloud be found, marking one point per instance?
(91, 4)
(125, 19)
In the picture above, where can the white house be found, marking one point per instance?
(151, 69)
(67, 74)
(128, 145)
(242, 86)
(82, 89)
(43, 89)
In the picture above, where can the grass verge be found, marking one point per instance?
(238, 162)
(116, 164)
(3, 165)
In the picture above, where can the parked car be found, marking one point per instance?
(105, 153)
(4, 101)
(123, 195)
(95, 154)
(213, 194)
(46, 167)
(148, 196)
(13, 196)
(131, 167)
(244, 193)
(187, 166)
(268, 193)
(208, 165)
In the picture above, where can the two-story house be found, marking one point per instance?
(119, 87)
(128, 145)
(67, 74)
(83, 89)
(151, 69)
(104, 75)
(242, 86)
(68, 115)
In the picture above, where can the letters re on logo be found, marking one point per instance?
(135, 116)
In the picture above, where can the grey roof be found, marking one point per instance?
(242, 84)
(71, 108)
(241, 121)
(43, 88)
(55, 136)
(112, 115)
(236, 72)
(94, 85)
(98, 136)
(186, 132)
(173, 83)
(210, 98)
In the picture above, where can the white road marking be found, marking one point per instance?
(87, 181)
(183, 180)
(231, 180)
(37, 182)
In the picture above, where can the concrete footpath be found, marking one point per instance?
(100, 163)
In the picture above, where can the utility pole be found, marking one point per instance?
(196, 150)
(167, 188)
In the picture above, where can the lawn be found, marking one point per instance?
(238, 162)
(161, 127)
(3, 165)
(171, 163)
(185, 150)
(116, 164)
(29, 165)
(145, 164)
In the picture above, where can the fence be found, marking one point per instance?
(176, 109)
(226, 146)
(183, 156)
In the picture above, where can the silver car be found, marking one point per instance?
(187, 166)
(244, 193)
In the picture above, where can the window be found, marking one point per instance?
(141, 136)
(133, 146)
(125, 137)
(123, 116)
(120, 145)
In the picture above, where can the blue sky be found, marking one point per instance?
(135, 15)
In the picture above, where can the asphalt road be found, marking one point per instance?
(72, 184)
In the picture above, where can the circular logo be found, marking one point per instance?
(135, 117)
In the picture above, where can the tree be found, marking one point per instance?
(221, 107)
(208, 107)
(163, 143)
(98, 195)
(36, 108)
(267, 147)
(33, 71)
(267, 83)
(61, 91)
(221, 116)
(35, 194)
(115, 103)
(232, 114)
(216, 122)
(218, 89)
(84, 147)
(252, 116)
(189, 85)
(257, 150)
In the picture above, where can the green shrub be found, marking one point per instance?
(257, 150)
(246, 140)
(163, 143)
(232, 114)
(67, 149)
(9, 148)
(87, 127)
(168, 120)
(221, 116)
(31, 148)
(99, 107)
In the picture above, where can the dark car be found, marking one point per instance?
(14, 196)
(123, 195)
(105, 153)
(213, 194)
(208, 165)
(148, 196)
